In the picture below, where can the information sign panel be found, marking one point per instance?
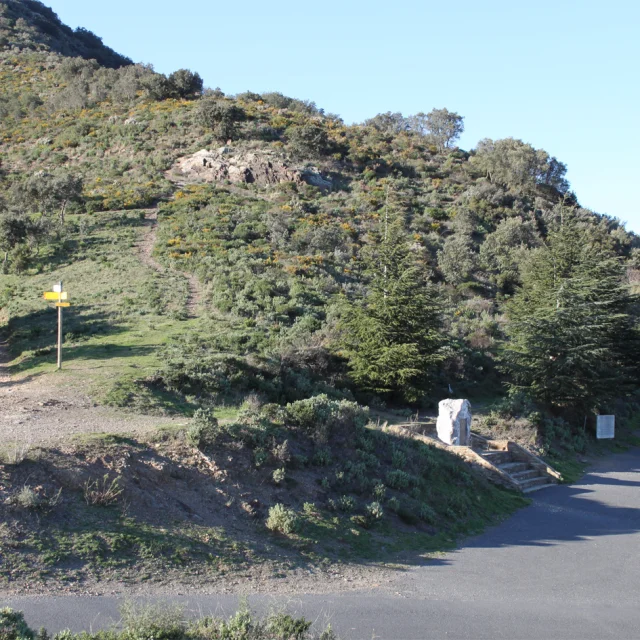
(606, 427)
(56, 296)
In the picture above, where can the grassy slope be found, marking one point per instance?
(122, 311)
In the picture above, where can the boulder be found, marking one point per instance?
(454, 422)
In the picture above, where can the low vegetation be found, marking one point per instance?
(166, 622)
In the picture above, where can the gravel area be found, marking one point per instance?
(35, 411)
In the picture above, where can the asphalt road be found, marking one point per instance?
(566, 567)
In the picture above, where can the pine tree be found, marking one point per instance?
(392, 338)
(572, 339)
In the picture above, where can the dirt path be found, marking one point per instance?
(43, 410)
(145, 248)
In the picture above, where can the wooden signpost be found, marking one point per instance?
(61, 298)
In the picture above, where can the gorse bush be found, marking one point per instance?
(13, 626)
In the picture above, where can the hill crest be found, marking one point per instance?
(29, 24)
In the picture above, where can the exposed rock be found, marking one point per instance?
(260, 167)
(313, 177)
(454, 422)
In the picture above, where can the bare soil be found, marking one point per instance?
(38, 410)
(171, 489)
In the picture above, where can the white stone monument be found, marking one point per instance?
(454, 422)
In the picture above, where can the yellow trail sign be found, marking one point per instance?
(56, 297)
(63, 304)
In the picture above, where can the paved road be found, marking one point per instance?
(566, 567)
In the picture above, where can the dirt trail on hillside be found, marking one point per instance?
(145, 249)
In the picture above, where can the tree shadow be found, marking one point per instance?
(570, 513)
(36, 332)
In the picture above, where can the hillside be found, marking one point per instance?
(282, 221)
(30, 25)
(269, 285)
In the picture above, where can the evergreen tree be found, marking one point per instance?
(392, 338)
(572, 339)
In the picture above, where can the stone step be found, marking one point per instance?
(497, 457)
(513, 467)
(532, 482)
(526, 474)
(537, 487)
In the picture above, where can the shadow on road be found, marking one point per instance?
(571, 513)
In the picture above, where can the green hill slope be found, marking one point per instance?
(285, 223)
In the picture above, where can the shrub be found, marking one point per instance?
(30, 499)
(346, 503)
(260, 457)
(398, 459)
(309, 509)
(186, 83)
(282, 625)
(281, 519)
(279, 476)
(221, 117)
(373, 512)
(26, 498)
(398, 479)
(308, 140)
(282, 453)
(167, 622)
(407, 515)
(102, 493)
(427, 514)
(379, 491)
(319, 416)
(393, 504)
(204, 429)
(13, 626)
(160, 622)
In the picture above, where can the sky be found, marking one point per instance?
(562, 75)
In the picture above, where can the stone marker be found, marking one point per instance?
(454, 422)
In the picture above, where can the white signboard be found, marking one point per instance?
(57, 288)
(606, 427)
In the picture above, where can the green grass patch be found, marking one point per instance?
(123, 313)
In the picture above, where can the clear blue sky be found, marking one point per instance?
(562, 75)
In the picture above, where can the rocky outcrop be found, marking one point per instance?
(250, 167)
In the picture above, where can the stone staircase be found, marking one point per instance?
(502, 461)
(526, 472)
